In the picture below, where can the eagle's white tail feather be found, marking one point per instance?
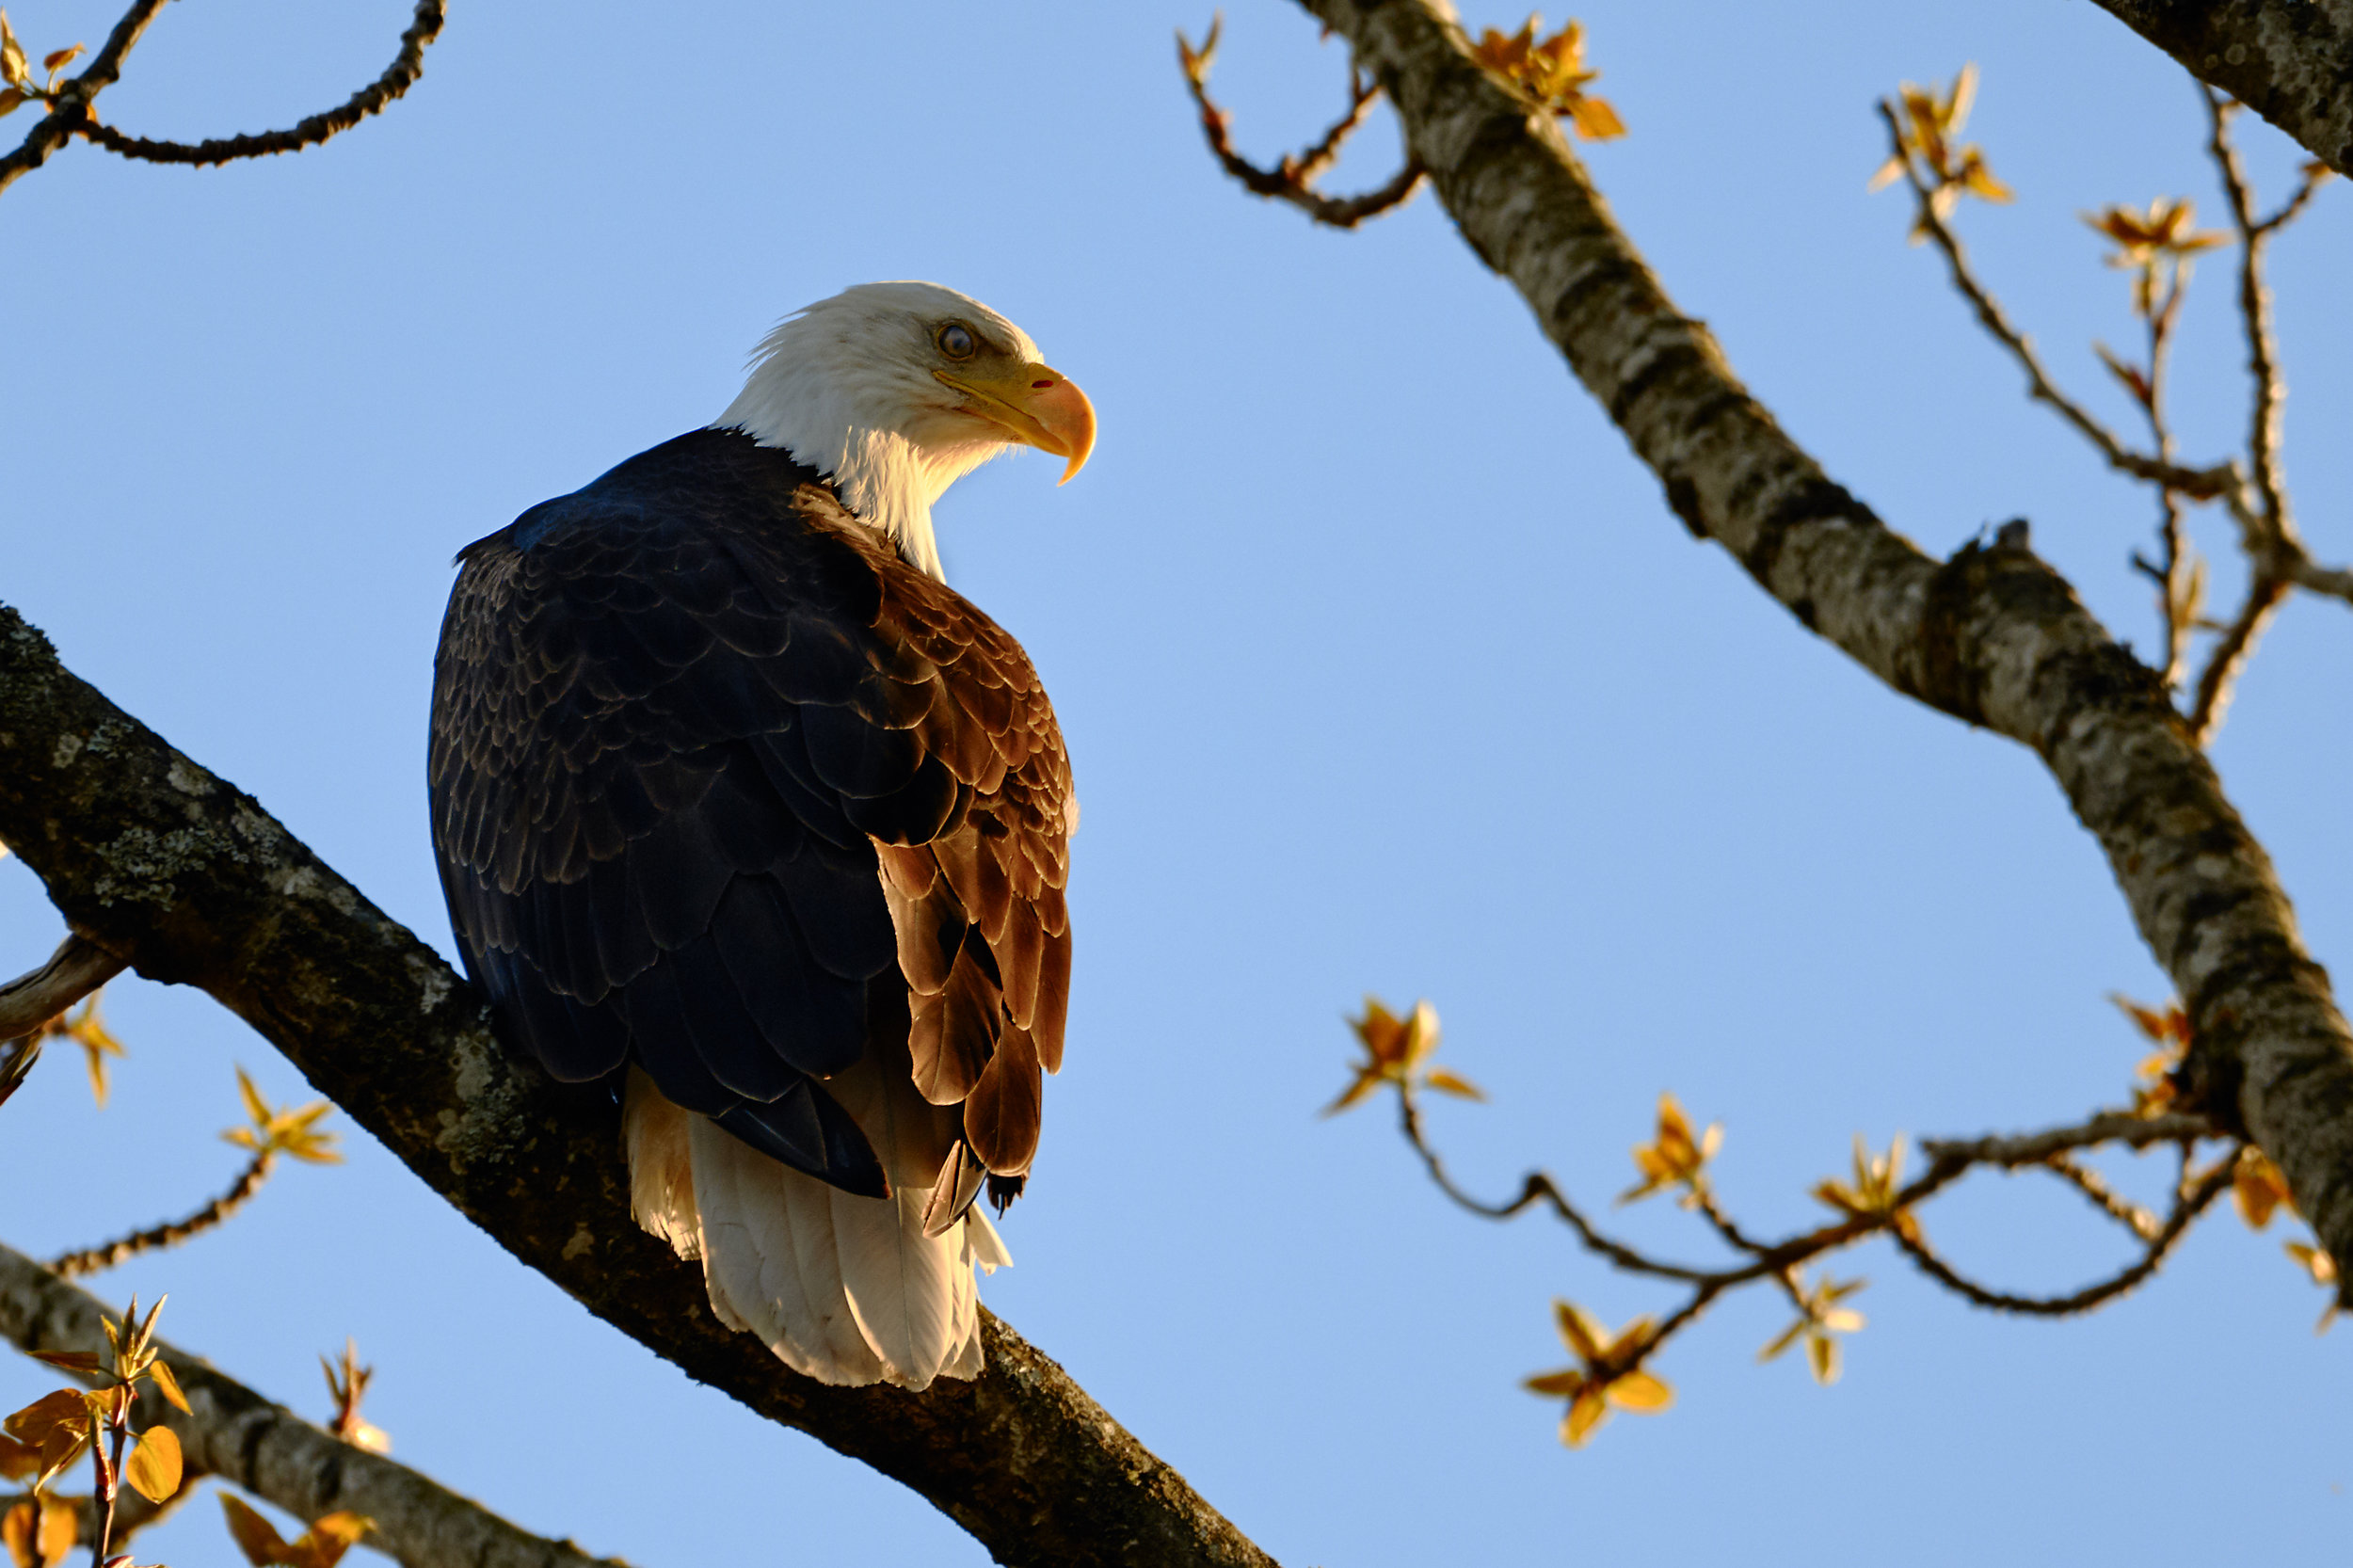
(845, 1290)
(660, 1170)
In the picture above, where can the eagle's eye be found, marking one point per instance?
(956, 341)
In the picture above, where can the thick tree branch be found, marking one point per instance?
(163, 864)
(235, 1434)
(2289, 60)
(1993, 636)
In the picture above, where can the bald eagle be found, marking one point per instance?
(741, 809)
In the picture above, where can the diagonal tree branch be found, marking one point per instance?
(235, 1434)
(2289, 60)
(55, 128)
(1993, 636)
(156, 860)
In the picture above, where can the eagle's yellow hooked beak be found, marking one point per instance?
(1036, 406)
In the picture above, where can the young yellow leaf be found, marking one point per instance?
(73, 1361)
(1451, 1083)
(153, 1467)
(11, 100)
(1565, 1383)
(17, 1460)
(329, 1538)
(168, 1386)
(60, 1526)
(1595, 121)
(1641, 1393)
(32, 1425)
(255, 1536)
(255, 1106)
(1581, 1332)
(1589, 1410)
(57, 59)
(17, 1531)
(1821, 1352)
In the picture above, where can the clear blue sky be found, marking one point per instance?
(1384, 668)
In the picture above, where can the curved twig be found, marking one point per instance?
(2106, 1199)
(110, 1255)
(397, 79)
(2201, 484)
(1293, 179)
(2185, 1209)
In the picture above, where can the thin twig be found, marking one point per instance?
(133, 1514)
(1949, 1160)
(91, 1260)
(2254, 299)
(2106, 1199)
(2316, 174)
(2275, 552)
(2228, 658)
(72, 108)
(397, 78)
(2201, 484)
(2185, 1211)
(2010, 1151)
(1293, 179)
(77, 968)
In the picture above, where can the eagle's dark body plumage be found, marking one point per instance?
(723, 787)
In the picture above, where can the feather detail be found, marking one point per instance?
(770, 1259)
(843, 1288)
(660, 1168)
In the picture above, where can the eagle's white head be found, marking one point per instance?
(898, 390)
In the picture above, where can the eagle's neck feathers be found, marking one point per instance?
(848, 425)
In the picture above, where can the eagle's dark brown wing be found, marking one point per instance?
(684, 720)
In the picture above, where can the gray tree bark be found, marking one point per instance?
(1993, 636)
(234, 1432)
(2291, 61)
(190, 882)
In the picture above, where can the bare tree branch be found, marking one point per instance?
(2289, 60)
(113, 1255)
(398, 78)
(74, 971)
(236, 1434)
(1293, 179)
(1993, 636)
(71, 114)
(194, 884)
(2186, 1207)
(2202, 482)
(71, 110)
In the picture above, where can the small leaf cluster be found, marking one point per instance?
(16, 71)
(52, 1432)
(1675, 1158)
(1397, 1051)
(1928, 132)
(348, 1385)
(1607, 1376)
(2259, 1188)
(2157, 246)
(291, 1132)
(1550, 73)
